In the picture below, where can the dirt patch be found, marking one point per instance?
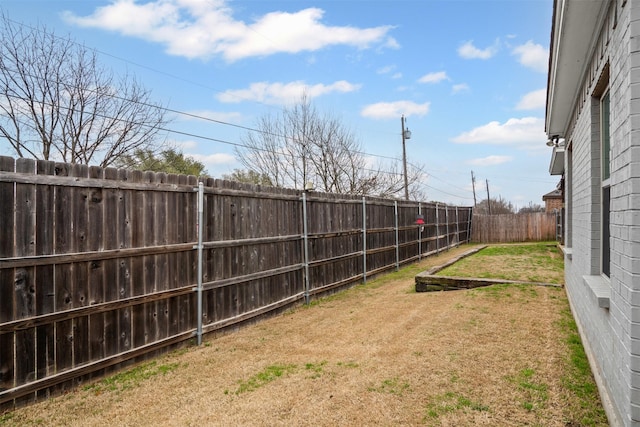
(378, 354)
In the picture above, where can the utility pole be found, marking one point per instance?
(488, 198)
(473, 184)
(406, 134)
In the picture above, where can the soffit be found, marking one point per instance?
(576, 25)
(556, 167)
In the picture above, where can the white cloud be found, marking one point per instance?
(216, 164)
(212, 162)
(391, 43)
(436, 77)
(185, 145)
(389, 69)
(392, 110)
(213, 159)
(490, 161)
(461, 87)
(527, 131)
(469, 51)
(185, 28)
(532, 56)
(533, 100)
(284, 93)
(386, 70)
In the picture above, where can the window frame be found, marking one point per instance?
(605, 182)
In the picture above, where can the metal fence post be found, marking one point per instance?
(446, 219)
(306, 247)
(457, 227)
(364, 240)
(199, 247)
(469, 224)
(437, 230)
(395, 204)
(420, 233)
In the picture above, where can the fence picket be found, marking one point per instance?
(123, 230)
(7, 229)
(63, 273)
(45, 292)
(94, 269)
(24, 279)
(110, 267)
(173, 211)
(162, 260)
(80, 283)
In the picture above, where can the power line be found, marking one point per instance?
(179, 112)
(221, 122)
(200, 117)
(236, 144)
(127, 61)
(447, 193)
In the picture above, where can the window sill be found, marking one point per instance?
(600, 288)
(568, 252)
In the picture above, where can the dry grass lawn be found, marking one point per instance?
(378, 354)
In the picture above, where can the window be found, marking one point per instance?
(605, 168)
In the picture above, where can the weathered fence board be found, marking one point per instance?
(7, 205)
(110, 202)
(99, 266)
(44, 286)
(538, 226)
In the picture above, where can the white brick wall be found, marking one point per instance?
(611, 336)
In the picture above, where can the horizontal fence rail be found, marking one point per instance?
(100, 267)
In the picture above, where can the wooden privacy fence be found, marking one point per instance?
(103, 266)
(530, 227)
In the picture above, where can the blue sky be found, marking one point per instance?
(468, 75)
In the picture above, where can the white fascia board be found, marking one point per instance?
(576, 28)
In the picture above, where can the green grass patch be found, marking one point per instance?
(535, 393)
(505, 290)
(5, 418)
(264, 377)
(348, 364)
(131, 378)
(273, 372)
(451, 402)
(316, 369)
(535, 262)
(585, 407)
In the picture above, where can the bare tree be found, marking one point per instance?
(58, 103)
(249, 177)
(388, 181)
(499, 206)
(531, 208)
(302, 146)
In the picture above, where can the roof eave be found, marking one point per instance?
(556, 167)
(572, 41)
